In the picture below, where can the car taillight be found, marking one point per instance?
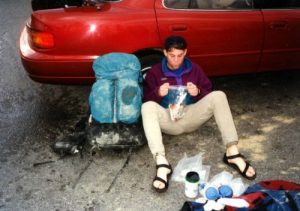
(39, 39)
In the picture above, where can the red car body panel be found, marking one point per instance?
(221, 41)
(281, 48)
(82, 34)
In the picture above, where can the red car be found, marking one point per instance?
(224, 36)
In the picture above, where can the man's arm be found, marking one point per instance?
(151, 88)
(204, 85)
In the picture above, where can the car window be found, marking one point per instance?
(281, 4)
(209, 4)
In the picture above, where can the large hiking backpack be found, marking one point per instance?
(272, 195)
(115, 106)
(116, 95)
(115, 102)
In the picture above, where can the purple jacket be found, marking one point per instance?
(158, 76)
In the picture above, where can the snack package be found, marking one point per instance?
(177, 95)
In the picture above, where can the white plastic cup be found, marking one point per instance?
(192, 180)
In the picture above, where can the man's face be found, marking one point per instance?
(175, 57)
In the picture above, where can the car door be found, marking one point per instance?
(224, 37)
(282, 35)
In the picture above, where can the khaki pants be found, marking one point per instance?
(156, 119)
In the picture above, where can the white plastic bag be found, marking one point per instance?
(238, 186)
(223, 178)
(226, 178)
(187, 164)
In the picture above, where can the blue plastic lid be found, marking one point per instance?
(212, 193)
(225, 191)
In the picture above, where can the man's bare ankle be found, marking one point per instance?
(161, 159)
(232, 150)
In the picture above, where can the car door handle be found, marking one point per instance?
(178, 27)
(278, 25)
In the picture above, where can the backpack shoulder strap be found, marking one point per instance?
(291, 201)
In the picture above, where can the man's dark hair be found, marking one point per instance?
(176, 42)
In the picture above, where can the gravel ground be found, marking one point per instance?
(265, 108)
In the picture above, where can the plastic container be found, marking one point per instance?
(225, 191)
(212, 193)
(192, 180)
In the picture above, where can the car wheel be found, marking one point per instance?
(148, 61)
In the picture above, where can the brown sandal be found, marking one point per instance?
(243, 173)
(157, 178)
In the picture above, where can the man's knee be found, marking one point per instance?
(149, 106)
(218, 96)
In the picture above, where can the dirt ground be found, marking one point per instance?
(266, 113)
(265, 107)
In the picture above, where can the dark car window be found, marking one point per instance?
(209, 4)
(281, 4)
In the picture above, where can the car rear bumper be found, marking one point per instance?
(56, 69)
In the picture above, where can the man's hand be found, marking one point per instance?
(163, 89)
(192, 89)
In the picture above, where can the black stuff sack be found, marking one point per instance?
(115, 135)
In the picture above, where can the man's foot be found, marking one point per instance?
(234, 159)
(164, 171)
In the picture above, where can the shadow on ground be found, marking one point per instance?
(266, 112)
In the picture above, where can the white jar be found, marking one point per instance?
(192, 184)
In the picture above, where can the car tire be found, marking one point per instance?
(148, 61)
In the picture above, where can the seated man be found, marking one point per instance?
(176, 69)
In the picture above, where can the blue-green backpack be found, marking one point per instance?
(116, 96)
